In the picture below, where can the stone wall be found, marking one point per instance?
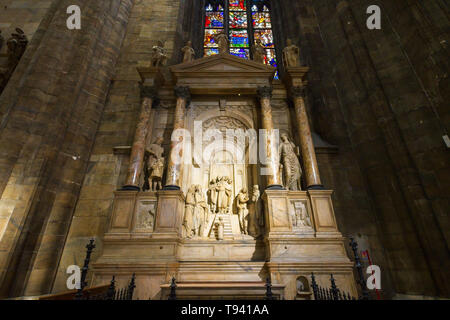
(24, 14)
(50, 114)
(150, 21)
(379, 96)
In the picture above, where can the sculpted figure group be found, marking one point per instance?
(219, 195)
(200, 213)
(196, 212)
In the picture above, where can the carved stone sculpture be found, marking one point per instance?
(259, 51)
(188, 52)
(158, 55)
(200, 211)
(155, 149)
(258, 217)
(241, 203)
(223, 43)
(146, 217)
(188, 222)
(156, 173)
(292, 171)
(291, 55)
(220, 229)
(301, 218)
(212, 196)
(155, 165)
(17, 45)
(223, 190)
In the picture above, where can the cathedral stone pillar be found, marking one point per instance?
(307, 146)
(176, 150)
(272, 162)
(148, 95)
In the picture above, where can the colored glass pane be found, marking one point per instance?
(239, 38)
(270, 58)
(258, 6)
(211, 52)
(214, 20)
(266, 37)
(240, 52)
(237, 5)
(209, 7)
(209, 37)
(238, 20)
(261, 20)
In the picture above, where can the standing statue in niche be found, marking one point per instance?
(155, 165)
(241, 203)
(289, 163)
(223, 189)
(158, 55)
(222, 41)
(291, 55)
(188, 52)
(259, 51)
(156, 173)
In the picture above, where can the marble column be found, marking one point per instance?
(176, 150)
(136, 165)
(307, 146)
(271, 144)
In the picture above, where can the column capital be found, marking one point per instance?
(148, 92)
(297, 92)
(182, 92)
(265, 92)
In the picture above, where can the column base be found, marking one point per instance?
(275, 187)
(173, 188)
(130, 188)
(316, 187)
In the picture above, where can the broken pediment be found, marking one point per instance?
(224, 73)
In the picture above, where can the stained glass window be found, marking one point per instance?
(244, 21)
(238, 20)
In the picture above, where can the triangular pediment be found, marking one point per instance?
(222, 63)
(223, 74)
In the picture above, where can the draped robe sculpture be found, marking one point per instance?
(288, 155)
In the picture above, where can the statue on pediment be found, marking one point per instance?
(158, 55)
(289, 163)
(222, 40)
(291, 55)
(188, 52)
(259, 51)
